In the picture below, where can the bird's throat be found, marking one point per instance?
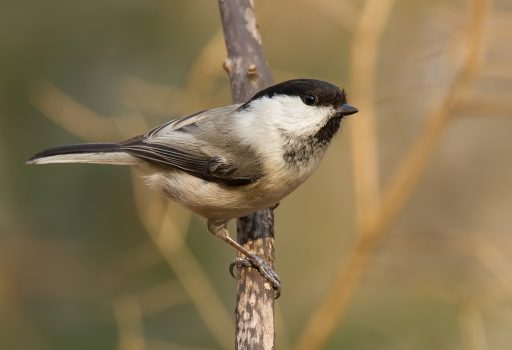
(297, 151)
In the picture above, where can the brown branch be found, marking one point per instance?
(246, 64)
(405, 179)
(249, 72)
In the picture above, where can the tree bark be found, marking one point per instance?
(249, 72)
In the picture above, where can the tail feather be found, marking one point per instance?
(94, 153)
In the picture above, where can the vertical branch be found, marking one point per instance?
(246, 64)
(249, 73)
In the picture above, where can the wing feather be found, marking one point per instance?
(164, 146)
(190, 119)
(194, 164)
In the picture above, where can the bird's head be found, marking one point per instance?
(301, 107)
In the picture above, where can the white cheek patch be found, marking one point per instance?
(264, 121)
(298, 119)
(267, 122)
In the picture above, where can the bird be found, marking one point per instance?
(231, 161)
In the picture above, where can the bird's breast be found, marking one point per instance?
(218, 201)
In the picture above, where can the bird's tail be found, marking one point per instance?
(93, 153)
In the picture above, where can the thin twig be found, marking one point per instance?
(249, 72)
(407, 175)
(365, 54)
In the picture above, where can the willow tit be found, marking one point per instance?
(228, 162)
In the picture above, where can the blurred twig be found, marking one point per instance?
(487, 105)
(152, 98)
(498, 265)
(170, 242)
(129, 321)
(160, 297)
(343, 13)
(495, 261)
(207, 67)
(406, 177)
(365, 53)
(79, 120)
(131, 264)
(472, 328)
(149, 97)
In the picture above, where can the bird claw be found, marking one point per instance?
(263, 268)
(236, 265)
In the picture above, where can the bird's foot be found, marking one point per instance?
(263, 268)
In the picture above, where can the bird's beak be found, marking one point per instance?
(346, 109)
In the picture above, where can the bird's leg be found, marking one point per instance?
(219, 229)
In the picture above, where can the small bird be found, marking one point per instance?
(228, 162)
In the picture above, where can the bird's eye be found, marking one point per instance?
(310, 100)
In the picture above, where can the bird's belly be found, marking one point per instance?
(216, 201)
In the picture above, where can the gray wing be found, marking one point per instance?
(192, 144)
(192, 119)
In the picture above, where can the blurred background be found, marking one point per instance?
(401, 240)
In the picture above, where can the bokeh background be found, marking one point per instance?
(403, 235)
